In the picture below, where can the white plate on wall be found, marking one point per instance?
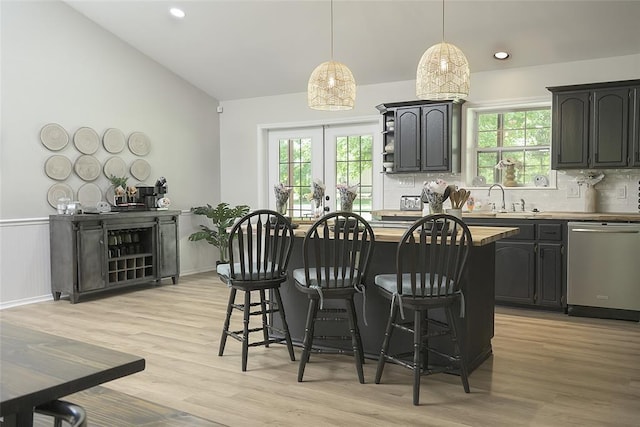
(115, 166)
(86, 140)
(139, 144)
(54, 137)
(113, 140)
(58, 191)
(58, 167)
(87, 168)
(89, 195)
(140, 169)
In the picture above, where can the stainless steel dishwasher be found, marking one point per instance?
(603, 270)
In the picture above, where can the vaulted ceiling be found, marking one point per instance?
(235, 49)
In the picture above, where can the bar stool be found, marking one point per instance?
(336, 253)
(61, 410)
(262, 242)
(430, 260)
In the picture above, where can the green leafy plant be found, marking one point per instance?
(223, 216)
(118, 181)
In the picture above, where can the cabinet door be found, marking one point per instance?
(634, 118)
(435, 139)
(570, 130)
(407, 131)
(168, 246)
(549, 275)
(610, 129)
(515, 272)
(91, 259)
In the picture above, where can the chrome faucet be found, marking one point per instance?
(503, 208)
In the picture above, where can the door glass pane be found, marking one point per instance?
(354, 167)
(295, 172)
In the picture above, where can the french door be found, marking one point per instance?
(333, 154)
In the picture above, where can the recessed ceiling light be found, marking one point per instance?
(178, 13)
(501, 55)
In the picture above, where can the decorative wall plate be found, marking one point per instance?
(87, 167)
(58, 167)
(54, 137)
(58, 191)
(86, 140)
(139, 144)
(110, 195)
(89, 195)
(115, 166)
(113, 140)
(140, 169)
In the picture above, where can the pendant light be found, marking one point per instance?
(331, 85)
(443, 72)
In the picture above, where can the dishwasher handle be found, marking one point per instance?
(600, 230)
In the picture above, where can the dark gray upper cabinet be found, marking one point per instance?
(595, 126)
(427, 135)
(635, 129)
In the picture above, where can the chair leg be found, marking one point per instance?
(385, 343)
(265, 323)
(225, 328)
(417, 353)
(457, 347)
(245, 331)
(285, 326)
(356, 341)
(308, 336)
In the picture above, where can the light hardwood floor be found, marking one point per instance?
(547, 369)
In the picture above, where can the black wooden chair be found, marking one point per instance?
(61, 410)
(336, 254)
(430, 260)
(260, 245)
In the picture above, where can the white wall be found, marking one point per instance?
(58, 66)
(242, 118)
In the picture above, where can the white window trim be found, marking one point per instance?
(469, 158)
(263, 160)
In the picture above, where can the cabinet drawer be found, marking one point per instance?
(549, 232)
(527, 231)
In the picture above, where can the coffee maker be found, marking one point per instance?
(149, 195)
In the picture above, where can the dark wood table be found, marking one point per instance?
(36, 367)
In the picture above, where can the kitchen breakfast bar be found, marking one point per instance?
(478, 285)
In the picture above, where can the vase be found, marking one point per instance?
(457, 212)
(435, 207)
(282, 209)
(591, 199)
(510, 176)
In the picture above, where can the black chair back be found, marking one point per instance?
(337, 251)
(260, 245)
(431, 256)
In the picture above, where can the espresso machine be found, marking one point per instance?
(153, 196)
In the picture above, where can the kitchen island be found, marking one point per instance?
(475, 329)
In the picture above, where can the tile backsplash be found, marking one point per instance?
(617, 192)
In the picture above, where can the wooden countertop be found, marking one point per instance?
(481, 235)
(559, 215)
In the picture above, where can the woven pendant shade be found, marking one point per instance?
(331, 87)
(443, 73)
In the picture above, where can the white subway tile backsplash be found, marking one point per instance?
(560, 198)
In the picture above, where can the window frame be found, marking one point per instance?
(470, 161)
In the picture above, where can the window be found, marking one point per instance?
(354, 165)
(335, 154)
(522, 135)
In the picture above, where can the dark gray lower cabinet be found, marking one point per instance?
(91, 253)
(531, 266)
(515, 272)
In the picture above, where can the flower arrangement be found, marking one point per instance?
(589, 179)
(316, 195)
(435, 193)
(509, 162)
(282, 197)
(348, 194)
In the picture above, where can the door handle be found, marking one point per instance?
(589, 230)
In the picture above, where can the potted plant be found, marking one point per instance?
(119, 188)
(223, 216)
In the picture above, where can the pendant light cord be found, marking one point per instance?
(442, 21)
(331, 30)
